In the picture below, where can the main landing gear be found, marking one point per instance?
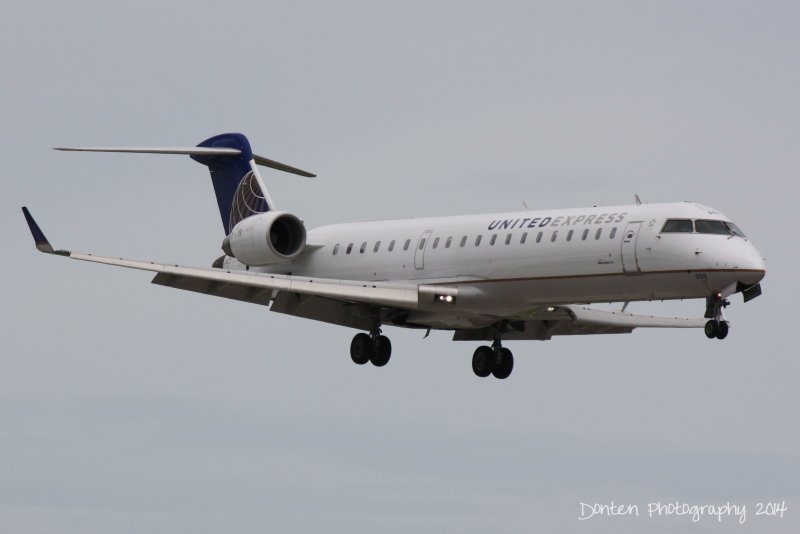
(717, 326)
(495, 360)
(372, 347)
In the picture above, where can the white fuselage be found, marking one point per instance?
(508, 263)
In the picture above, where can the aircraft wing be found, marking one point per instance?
(254, 287)
(586, 315)
(223, 282)
(573, 319)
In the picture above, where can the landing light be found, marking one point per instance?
(449, 299)
(551, 309)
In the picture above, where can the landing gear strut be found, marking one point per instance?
(372, 347)
(495, 360)
(717, 326)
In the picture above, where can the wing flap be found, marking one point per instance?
(593, 316)
(573, 320)
(322, 309)
(253, 295)
(538, 330)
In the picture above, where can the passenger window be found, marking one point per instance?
(554, 236)
(493, 240)
(363, 247)
(463, 241)
(391, 245)
(436, 242)
(406, 244)
(597, 233)
(569, 235)
(523, 238)
(711, 227)
(585, 234)
(377, 246)
(613, 233)
(336, 249)
(478, 240)
(539, 237)
(421, 243)
(448, 242)
(349, 248)
(677, 225)
(508, 239)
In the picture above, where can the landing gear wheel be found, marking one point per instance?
(717, 327)
(722, 330)
(483, 361)
(505, 365)
(712, 329)
(361, 348)
(381, 351)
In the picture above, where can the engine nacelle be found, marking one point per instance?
(266, 238)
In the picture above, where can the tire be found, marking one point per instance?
(722, 330)
(711, 329)
(361, 348)
(381, 351)
(483, 361)
(504, 367)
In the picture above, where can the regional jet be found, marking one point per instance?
(526, 275)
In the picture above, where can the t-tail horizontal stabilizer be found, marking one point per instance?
(238, 186)
(193, 151)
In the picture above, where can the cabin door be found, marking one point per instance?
(419, 252)
(630, 264)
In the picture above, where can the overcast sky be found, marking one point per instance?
(129, 407)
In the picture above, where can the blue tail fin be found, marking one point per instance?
(238, 186)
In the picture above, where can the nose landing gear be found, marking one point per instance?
(717, 326)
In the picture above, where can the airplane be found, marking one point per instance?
(525, 275)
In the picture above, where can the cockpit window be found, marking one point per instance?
(734, 229)
(678, 225)
(711, 227)
(701, 226)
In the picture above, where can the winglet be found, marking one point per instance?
(42, 244)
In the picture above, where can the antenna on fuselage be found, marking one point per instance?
(638, 200)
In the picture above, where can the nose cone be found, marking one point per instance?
(752, 265)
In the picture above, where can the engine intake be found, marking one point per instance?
(266, 238)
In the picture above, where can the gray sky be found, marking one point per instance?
(128, 407)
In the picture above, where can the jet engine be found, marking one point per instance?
(266, 238)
